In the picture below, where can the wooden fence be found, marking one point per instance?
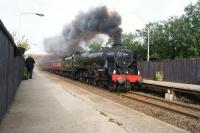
(11, 70)
(183, 71)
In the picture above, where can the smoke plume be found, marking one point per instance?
(83, 28)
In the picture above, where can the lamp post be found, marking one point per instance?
(21, 14)
(148, 41)
(148, 45)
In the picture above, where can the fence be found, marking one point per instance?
(11, 70)
(183, 71)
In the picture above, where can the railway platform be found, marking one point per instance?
(171, 87)
(182, 86)
(45, 105)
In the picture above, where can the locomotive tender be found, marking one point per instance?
(115, 68)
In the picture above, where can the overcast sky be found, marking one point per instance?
(135, 14)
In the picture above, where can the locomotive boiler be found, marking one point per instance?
(114, 68)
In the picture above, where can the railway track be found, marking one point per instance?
(180, 108)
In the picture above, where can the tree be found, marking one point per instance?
(192, 24)
(129, 40)
(175, 38)
(21, 41)
(109, 42)
(95, 46)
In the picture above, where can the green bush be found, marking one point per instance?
(159, 75)
(25, 75)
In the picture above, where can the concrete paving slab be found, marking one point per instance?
(46, 105)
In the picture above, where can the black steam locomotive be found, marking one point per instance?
(115, 68)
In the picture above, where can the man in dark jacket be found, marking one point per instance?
(30, 65)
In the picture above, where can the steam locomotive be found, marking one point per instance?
(114, 68)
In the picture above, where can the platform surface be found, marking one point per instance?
(46, 105)
(182, 86)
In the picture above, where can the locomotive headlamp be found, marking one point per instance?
(120, 80)
(114, 71)
(138, 72)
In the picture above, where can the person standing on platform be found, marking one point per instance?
(30, 65)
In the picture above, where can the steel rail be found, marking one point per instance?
(167, 101)
(170, 107)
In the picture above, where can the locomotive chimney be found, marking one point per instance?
(117, 39)
(117, 42)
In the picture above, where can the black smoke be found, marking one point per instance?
(83, 28)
